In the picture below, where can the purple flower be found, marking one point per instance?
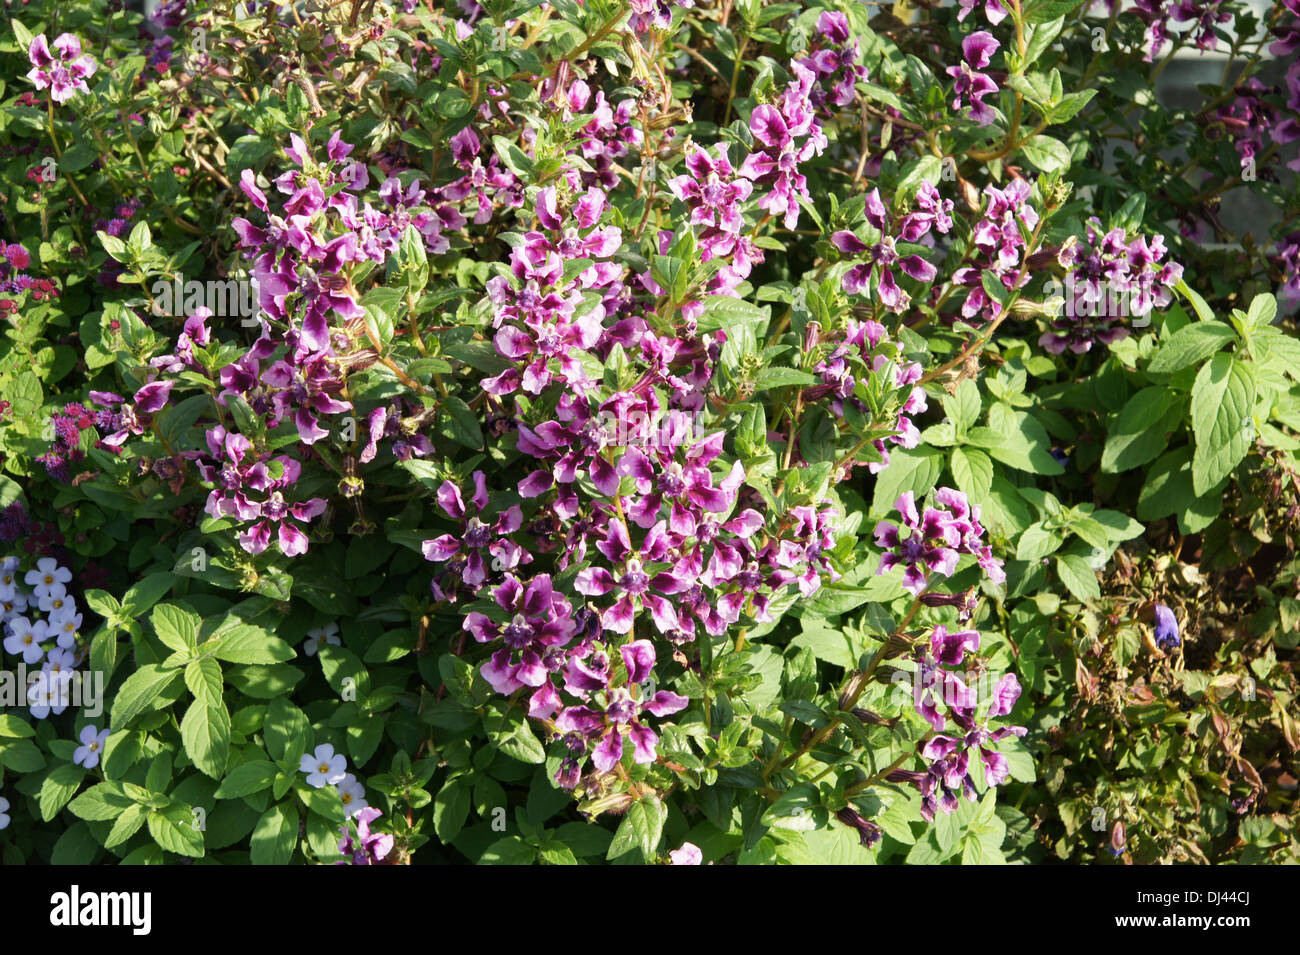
(1167, 636)
(1110, 278)
(776, 129)
(993, 9)
(999, 246)
(65, 75)
(530, 643)
(465, 551)
(368, 848)
(613, 710)
(972, 86)
(882, 256)
(936, 539)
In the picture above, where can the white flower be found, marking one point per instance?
(12, 607)
(92, 744)
(353, 794)
(65, 626)
(46, 575)
(328, 633)
(4, 812)
(26, 638)
(8, 577)
(56, 600)
(323, 767)
(49, 692)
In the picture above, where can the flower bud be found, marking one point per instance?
(868, 832)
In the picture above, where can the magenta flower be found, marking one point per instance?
(615, 711)
(465, 552)
(368, 848)
(65, 75)
(936, 540)
(882, 256)
(971, 85)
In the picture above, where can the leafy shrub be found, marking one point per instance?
(665, 432)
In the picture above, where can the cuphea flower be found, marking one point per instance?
(971, 85)
(776, 129)
(65, 74)
(616, 709)
(882, 256)
(368, 848)
(993, 9)
(935, 540)
(465, 551)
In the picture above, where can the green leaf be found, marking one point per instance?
(1223, 399)
(1193, 297)
(1037, 542)
(451, 809)
(100, 802)
(641, 828)
(126, 825)
(58, 788)
(1190, 345)
(1048, 154)
(176, 627)
(205, 731)
(1078, 577)
(1142, 430)
(203, 677)
(509, 850)
(274, 836)
(246, 779)
(14, 726)
(513, 736)
(139, 692)
(973, 472)
(245, 643)
(176, 829)
(1025, 444)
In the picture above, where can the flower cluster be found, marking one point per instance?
(66, 428)
(881, 249)
(65, 74)
(970, 85)
(998, 241)
(368, 848)
(714, 194)
(867, 349)
(1111, 277)
(1288, 260)
(949, 755)
(788, 133)
(834, 58)
(936, 539)
(1248, 118)
(251, 488)
(49, 639)
(14, 281)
